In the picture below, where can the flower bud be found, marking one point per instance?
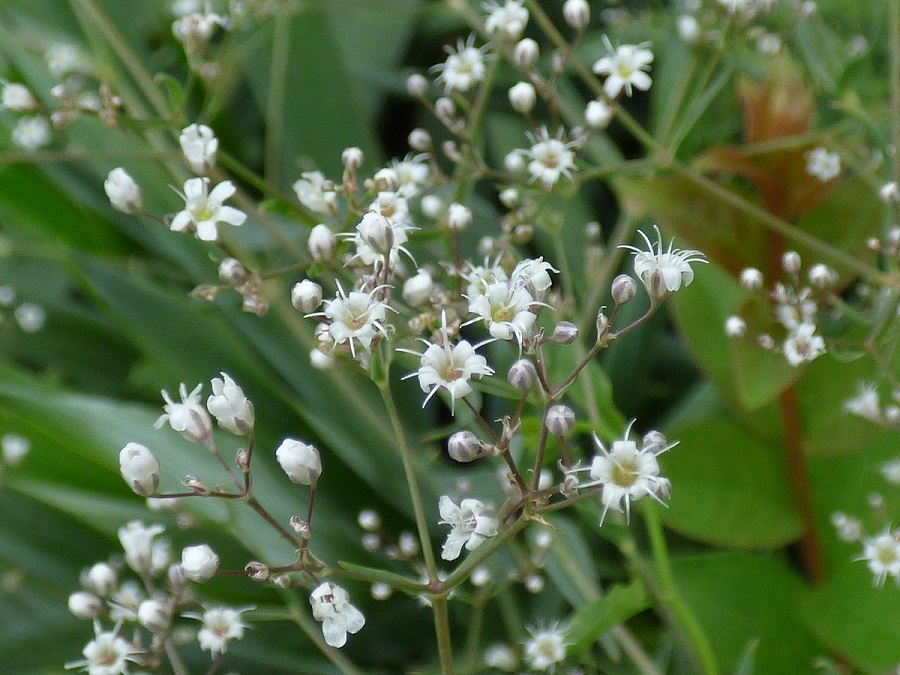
(623, 289)
(598, 114)
(199, 562)
(419, 139)
(153, 616)
(444, 108)
(306, 296)
(139, 469)
(124, 194)
(85, 605)
(369, 520)
(352, 158)
(577, 13)
(417, 289)
(534, 583)
(560, 419)
(565, 333)
(751, 279)
(735, 327)
(407, 544)
(14, 448)
(655, 442)
(464, 446)
(300, 461)
(459, 217)
(514, 162)
(526, 53)
(232, 271)
(822, 276)
(321, 243)
(376, 231)
(229, 406)
(102, 579)
(602, 324)
(890, 193)
(381, 591)
(371, 542)
(688, 28)
(522, 97)
(17, 97)
(509, 197)
(199, 146)
(417, 85)
(432, 205)
(258, 571)
(523, 375)
(301, 527)
(790, 262)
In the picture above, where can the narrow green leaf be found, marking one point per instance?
(618, 604)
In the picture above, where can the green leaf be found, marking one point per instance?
(729, 488)
(616, 606)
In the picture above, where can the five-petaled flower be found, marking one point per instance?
(624, 67)
(220, 626)
(663, 271)
(470, 523)
(464, 66)
(882, 555)
(331, 605)
(204, 209)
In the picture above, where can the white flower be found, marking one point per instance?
(450, 367)
(199, 562)
(199, 145)
(313, 193)
(545, 648)
(220, 625)
(624, 67)
(229, 406)
(124, 194)
(522, 97)
(300, 461)
(16, 97)
(355, 318)
(479, 277)
(550, 158)
(197, 28)
(204, 208)
(189, 418)
(598, 114)
(331, 605)
(102, 578)
(125, 601)
(688, 28)
(735, 327)
(418, 288)
(501, 657)
(137, 542)
(30, 317)
(822, 164)
(459, 216)
(506, 311)
(32, 132)
(848, 528)
(139, 468)
(802, 344)
(882, 555)
(14, 448)
(891, 471)
(890, 193)
(508, 19)
(412, 173)
(534, 275)
(463, 68)
(321, 243)
(866, 403)
(470, 525)
(106, 654)
(63, 59)
(627, 474)
(663, 271)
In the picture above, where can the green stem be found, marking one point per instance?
(442, 629)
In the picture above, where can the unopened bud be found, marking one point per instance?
(352, 158)
(598, 114)
(369, 520)
(139, 469)
(199, 562)
(655, 442)
(523, 233)
(522, 97)
(577, 13)
(418, 288)
(526, 53)
(242, 459)
(321, 243)
(381, 591)
(102, 579)
(416, 85)
(790, 262)
(534, 583)
(300, 461)
(751, 279)
(444, 108)
(510, 197)
(464, 446)
(889, 193)
(232, 271)
(408, 544)
(306, 296)
(565, 333)
(258, 571)
(153, 616)
(371, 542)
(301, 527)
(194, 484)
(523, 375)
(623, 289)
(560, 419)
(735, 327)
(602, 324)
(85, 605)
(432, 205)
(569, 487)
(822, 276)
(419, 139)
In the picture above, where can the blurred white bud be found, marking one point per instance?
(17, 97)
(369, 520)
(84, 605)
(419, 139)
(352, 158)
(432, 206)
(822, 276)
(444, 108)
(735, 327)
(14, 449)
(577, 13)
(598, 114)
(153, 616)
(139, 469)
(514, 162)
(300, 461)
(889, 193)
(526, 53)
(790, 262)
(509, 197)
(124, 194)
(751, 279)
(418, 288)
(522, 97)
(688, 28)
(102, 579)
(459, 217)
(523, 375)
(534, 583)
(381, 591)
(232, 271)
(321, 243)
(199, 562)
(416, 85)
(306, 296)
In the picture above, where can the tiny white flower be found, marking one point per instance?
(450, 367)
(663, 271)
(189, 418)
(534, 275)
(137, 542)
(890, 193)
(199, 146)
(501, 657)
(300, 461)
(624, 68)
(412, 173)
(847, 527)
(802, 344)
(204, 208)
(506, 311)
(321, 243)
(14, 448)
(199, 562)
(32, 132)
(63, 59)
(688, 28)
(106, 654)
(220, 626)
(459, 216)
(315, 193)
(550, 158)
(418, 288)
(139, 469)
(735, 327)
(507, 20)
(229, 406)
(356, 318)
(545, 648)
(866, 403)
(124, 194)
(196, 29)
(16, 97)
(470, 522)
(331, 605)
(822, 164)
(464, 66)
(882, 555)
(891, 471)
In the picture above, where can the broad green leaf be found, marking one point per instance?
(618, 604)
(729, 488)
(739, 597)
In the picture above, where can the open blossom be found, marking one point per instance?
(533, 274)
(866, 403)
(314, 192)
(220, 626)
(355, 318)
(32, 132)
(823, 165)
(203, 209)
(138, 543)
(196, 29)
(188, 417)
(199, 145)
(506, 311)
(229, 406)
(106, 654)
(882, 555)
(412, 173)
(545, 647)
(470, 523)
(508, 19)
(450, 367)
(663, 271)
(802, 344)
(550, 158)
(624, 67)
(464, 66)
(331, 605)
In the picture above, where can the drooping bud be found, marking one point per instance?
(300, 461)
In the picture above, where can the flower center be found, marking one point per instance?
(625, 475)
(887, 556)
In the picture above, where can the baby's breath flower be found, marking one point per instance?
(624, 68)
(197, 28)
(32, 132)
(470, 522)
(598, 114)
(220, 626)
(501, 657)
(300, 461)
(84, 605)
(803, 345)
(199, 562)
(577, 13)
(507, 20)
(545, 648)
(522, 97)
(204, 209)
(891, 471)
(526, 53)
(189, 417)
(199, 146)
(314, 192)
(550, 158)
(124, 194)
(16, 97)
(464, 66)
(663, 271)
(882, 555)
(866, 403)
(306, 296)
(137, 542)
(355, 318)
(505, 310)
(229, 406)
(822, 164)
(331, 605)
(412, 174)
(106, 654)
(418, 288)
(30, 317)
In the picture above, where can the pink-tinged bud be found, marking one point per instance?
(306, 296)
(464, 446)
(560, 420)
